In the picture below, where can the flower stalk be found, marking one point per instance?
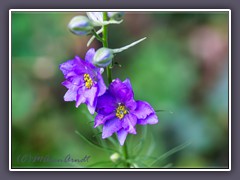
(117, 110)
(105, 44)
(109, 76)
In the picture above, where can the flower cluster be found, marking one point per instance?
(116, 109)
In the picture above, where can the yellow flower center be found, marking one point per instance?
(88, 81)
(121, 111)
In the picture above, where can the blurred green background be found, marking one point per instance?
(182, 67)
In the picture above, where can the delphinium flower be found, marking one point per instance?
(83, 80)
(119, 113)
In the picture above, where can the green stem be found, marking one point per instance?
(109, 77)
(105, 44)
(125, 154)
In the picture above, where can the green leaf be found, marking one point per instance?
(162, 110)
(151, 147)
(140, 164)
(138, 148)
(92, 143)
(128, 46)
(169, 165)
(101, 163)
(172, 151)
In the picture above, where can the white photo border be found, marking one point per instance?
(122, 169)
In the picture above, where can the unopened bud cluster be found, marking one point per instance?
(83, 25)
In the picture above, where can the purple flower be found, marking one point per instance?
(83, 80)
(119, 112)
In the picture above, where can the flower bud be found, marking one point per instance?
(80, 25)
(115, 157)
(103, 57)
(115, 15)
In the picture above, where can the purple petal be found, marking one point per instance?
(73, 67)
(131, 105)
(121, 91)
(110, 127)
(88, 65)
(67, 84)
(67, 66)
(78, 60)
(80, 99)
(89, 55)
(143, 110)
(129, 122)
(91, 109)
(151, 119)
(73, 87)
(101, 85)
(101, 119)
(127, 83)
(122, 134)
(106, 104)
(90, 95)
(70, 95)
(71, 74)
(82, 66)
(78, 81)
